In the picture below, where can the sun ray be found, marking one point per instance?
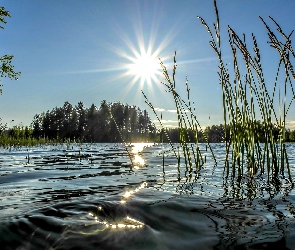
(137, 66)
(142, 54)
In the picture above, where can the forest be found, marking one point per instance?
(216, 134)
(110, 122)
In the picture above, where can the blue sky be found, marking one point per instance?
(73, 50)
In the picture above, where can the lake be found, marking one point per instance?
(87, 196)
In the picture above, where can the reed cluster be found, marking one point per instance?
(248, 101)
(247, 97)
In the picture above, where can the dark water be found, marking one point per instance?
(87, 197)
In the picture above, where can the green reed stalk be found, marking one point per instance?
(186, 122)
(164, 132)
(244, 95)
(121, 136)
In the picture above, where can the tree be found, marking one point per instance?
(91, 124)
(82, 120)
(103, 129)
(126, 115)
(117, 123)
(57, 118)
(6, 68)
(36, 125)
(2, 126)
(111, 122)
(73, 124)
(46, 122)
(133, 122)
(67, 110)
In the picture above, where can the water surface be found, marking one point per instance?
(87, 196)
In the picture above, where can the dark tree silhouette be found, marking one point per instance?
(6, 68)
(111, 122)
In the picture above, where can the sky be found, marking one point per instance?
(94, 50)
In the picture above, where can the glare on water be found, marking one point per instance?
(87, 197)
(136, 151)
(126, 222)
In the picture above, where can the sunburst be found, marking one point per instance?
(143, 62)
(142, 53)
(144, 66)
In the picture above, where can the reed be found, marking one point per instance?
(246, 99)
(187, 121)
(132, 165)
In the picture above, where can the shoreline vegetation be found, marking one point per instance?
(81, 129)
(111, 122)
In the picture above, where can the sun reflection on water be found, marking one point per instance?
(125, 223)
(139, 161)
(128, 194)
(138, 147)
(136, 151)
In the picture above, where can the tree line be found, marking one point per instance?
(216, 134)
(111, 122)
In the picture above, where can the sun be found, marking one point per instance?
(140, 53)
(145, 67)
(143, 62)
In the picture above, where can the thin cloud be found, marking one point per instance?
(175, 111)
(171, 126)
(290, 125)
(165, 121)
(169, 110)
(160, 109)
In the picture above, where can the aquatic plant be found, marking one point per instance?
(249, 105)
(246, 99)
(187, 122)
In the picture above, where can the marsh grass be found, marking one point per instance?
(248, 101)
(7, 141)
